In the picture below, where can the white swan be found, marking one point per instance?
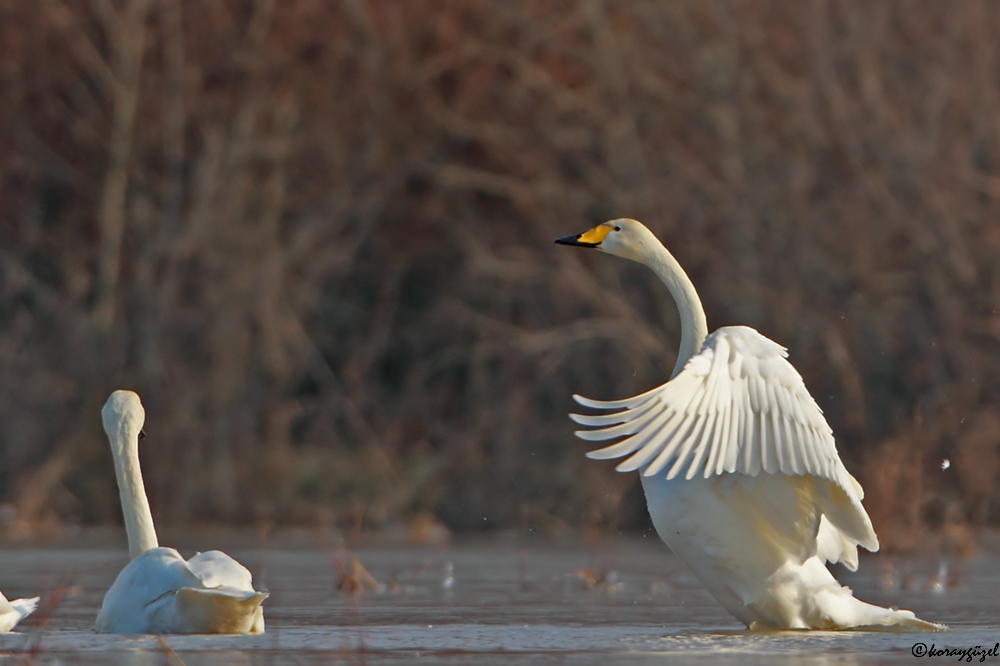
(740, 469)
(158, 592)
(12, 612)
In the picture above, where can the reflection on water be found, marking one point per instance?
(629, 601)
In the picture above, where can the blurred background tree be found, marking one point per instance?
(316, 237)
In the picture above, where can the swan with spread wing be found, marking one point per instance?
(740, 470)
(158, 591)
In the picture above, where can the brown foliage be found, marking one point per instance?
(316, 238)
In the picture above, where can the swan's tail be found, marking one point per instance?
(807, 596)
(837, 608)
(25, 607)
(223, 613)
(214, 611)
(12, 612)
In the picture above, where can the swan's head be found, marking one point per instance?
(123, 416)
(623, 237)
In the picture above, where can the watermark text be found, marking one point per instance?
(969, 654)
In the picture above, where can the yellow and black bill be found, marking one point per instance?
(592, 238)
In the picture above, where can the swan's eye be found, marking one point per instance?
(618, 228)
(142, 434)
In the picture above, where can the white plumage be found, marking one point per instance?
(740, 469)
(12, 612)
(158, 592)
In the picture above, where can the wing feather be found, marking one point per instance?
(666, 452)
(629, 427)
(792, 448)
(731, 449)
(636, 441)
(597, 420)
(753, 455)
(699, 453)
(737, 406)
(626, 403)
(684, 454)
(716, 457)
(768, 455)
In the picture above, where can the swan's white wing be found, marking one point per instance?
(215, 569)
(737, 406)
(12, 612)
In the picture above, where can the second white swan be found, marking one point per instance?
(158, 592)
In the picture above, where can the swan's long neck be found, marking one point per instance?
(135, 506)
(694, 327)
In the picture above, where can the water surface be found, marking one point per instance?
(624, 602)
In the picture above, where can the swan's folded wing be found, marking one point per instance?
(152, 574)
(737, 406)
(215, 569)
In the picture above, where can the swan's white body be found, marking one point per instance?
(12, 612)
(158, 592)
(740, 470)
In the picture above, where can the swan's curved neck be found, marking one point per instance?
(694, 327)
(135, 506)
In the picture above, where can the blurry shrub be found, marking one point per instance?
(316, 238)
